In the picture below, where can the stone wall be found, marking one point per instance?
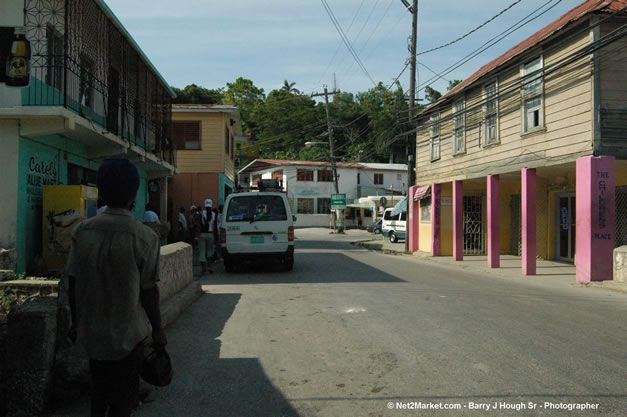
(175, 269)
(41, 366)
(620, 264)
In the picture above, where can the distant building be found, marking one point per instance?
(309, 186)
(204, 136)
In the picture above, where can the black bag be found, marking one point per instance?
(157, 368)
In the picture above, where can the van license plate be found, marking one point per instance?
(256, 239)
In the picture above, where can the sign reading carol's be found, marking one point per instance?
(338, 201)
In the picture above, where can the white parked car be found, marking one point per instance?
(394, 227)
(257, 226)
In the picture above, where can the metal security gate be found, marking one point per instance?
(621, 216)
(474, 238)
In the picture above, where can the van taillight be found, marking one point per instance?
(222, 236)
(290, 234)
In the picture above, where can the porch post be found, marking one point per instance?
(412, 227)
(494, 220)
(436, 192)
(528, 214)
(458, 220)
(595, 218)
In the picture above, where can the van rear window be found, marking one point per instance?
(256, 208)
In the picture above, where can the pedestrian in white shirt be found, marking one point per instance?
(206, 244)
(150, 216)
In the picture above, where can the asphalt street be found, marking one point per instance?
(356, 332)
(351, 332)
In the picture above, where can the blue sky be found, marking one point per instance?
(210, 43)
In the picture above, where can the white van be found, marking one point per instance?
(394, 227)
(256, 226)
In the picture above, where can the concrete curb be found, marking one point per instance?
(174, 305)
(380, 247)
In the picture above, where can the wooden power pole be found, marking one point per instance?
(411, 138)
(331, 146)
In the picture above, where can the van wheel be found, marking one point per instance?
(288, 264)
(393, 237)
(228, 266)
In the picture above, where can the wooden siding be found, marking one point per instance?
(613, 95)
(567, 132)
(210, 158)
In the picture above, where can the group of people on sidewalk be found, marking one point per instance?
(202, 230)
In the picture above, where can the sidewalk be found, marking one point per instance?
(510, 265)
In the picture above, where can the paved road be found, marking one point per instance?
(351, 330)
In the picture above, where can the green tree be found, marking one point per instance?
(289, 87)
(284, 122)
(432, 95)
(245, 95)
(194, 94)
(452, 84)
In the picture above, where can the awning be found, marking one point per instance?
(400, 207)
(363, 205)
(422, 192)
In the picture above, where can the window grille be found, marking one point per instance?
(459, 140)
(304, 175)
(305, 205)
(490, 114)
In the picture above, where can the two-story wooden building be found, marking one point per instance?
(91, 94)
(527, 156)
(204, 136)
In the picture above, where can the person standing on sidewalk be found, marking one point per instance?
(206, 243)
(113, 269)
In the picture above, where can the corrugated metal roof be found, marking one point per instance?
(588, 6)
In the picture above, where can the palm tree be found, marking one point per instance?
(289, 87)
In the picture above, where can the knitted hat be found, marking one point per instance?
(118, 181)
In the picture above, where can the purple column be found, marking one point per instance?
(595, 218)
(494, 222)
(436, 193)
(528, 203)
(458, 220)
(412, 225)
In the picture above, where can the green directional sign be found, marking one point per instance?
(338, 201)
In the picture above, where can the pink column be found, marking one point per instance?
(494, 222)
(436, 193)
(528, 202)
(458, 220)
(412, 225)
(595, 218)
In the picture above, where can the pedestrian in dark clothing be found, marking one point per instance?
(113, 269)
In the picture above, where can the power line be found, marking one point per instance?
(345, 39)
(471, 32)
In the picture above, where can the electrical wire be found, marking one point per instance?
(345, 39)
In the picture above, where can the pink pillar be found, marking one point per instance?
(458, 220)
(528, 202)
(595, 218)
(494, 222)
(414, 219)
(436, 193)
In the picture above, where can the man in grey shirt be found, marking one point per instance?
(113, 269)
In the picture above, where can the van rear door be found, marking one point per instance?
(257, 223)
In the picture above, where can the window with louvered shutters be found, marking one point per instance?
(186, 135)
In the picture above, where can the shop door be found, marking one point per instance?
(474, 243)
(566, 228)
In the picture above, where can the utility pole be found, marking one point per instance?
(411, 138)
(331, 147)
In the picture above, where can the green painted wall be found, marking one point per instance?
(42, 161)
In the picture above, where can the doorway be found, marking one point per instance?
(566, 227)
(474, 238)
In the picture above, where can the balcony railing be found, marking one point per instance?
(82, 60)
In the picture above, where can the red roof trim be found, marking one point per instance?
(574, 14)
(314, 163)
